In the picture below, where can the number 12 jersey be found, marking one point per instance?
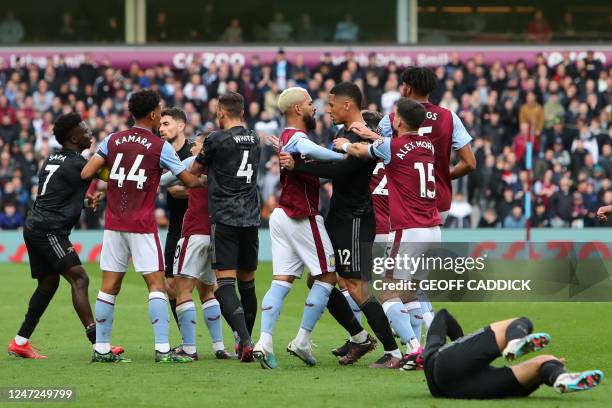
(135, 158)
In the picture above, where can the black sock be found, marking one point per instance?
(90, 332)
(379, 323)
(248, 299)
(173, 308)
(37, 306)
(518, 329)
(550, 370)
(341, 311)
(231, 308)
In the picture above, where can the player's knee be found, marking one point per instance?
(49, 286)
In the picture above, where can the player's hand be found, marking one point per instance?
(602, 213)
(362, 130)
(93, 200)
(273, 140)
(204, 180)
(338, 142)
(286, 161)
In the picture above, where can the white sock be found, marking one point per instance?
(21, 340)
(428, 318)
(102, 348)
(413, 345)
(218, 346)
(162, 347)
(303, 338)
(360, 337)
(189, 349)
(395, 353)
(265, 339)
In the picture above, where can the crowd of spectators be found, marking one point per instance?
(566, 109)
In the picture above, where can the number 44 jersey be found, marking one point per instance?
(232, 157)
(135, 158)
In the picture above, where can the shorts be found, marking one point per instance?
(381, 247)
(443, 216)
(119, 246)
(352, 240)
(299, 242)
(234, 247)
(192, 259)
(462, 369)
(49, 253)
(172, 239)
(412, 243)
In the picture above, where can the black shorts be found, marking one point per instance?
(49, 253)
(234, 247)
(352, 240)
(172, 239)
(462, 369)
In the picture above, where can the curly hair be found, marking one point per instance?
(64, 125)
(143, 102)
(421, 79)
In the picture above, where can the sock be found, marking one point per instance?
(377, 320)
(231, 307)
(90, 332)
(37, 306)
(416, 317)
(518, 329)
(341, 311)
(187, 325)
(313, 309)
(360, 337)
(158, 314)
(426, 308)
(550, 370)
(354, 306)
(271, 306)
(21, 340)
(399, 318)
(248, 299)
(212, 318)
(105, 313)
(172, 303)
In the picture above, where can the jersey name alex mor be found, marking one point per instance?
(135, 158)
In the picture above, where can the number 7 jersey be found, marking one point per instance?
(232, 158)
(135, 158)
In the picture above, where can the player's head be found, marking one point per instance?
(230, 107)
(198, 142)
(344, 99)
(418, 82)
(371, 118)
(144, 106)
(295, 102)
(71, 132)
(409, 115)
(172, 124)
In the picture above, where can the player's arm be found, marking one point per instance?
(97, 161)
(178, 192)
(205, 157)
(330, 170)
(307, 147)
(168, 179)
(461, 145)
(169, 160)
(380, 149)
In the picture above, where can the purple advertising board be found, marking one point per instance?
(180, 56)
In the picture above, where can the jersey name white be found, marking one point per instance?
(244, 139)
(57, 157)
(408, 147)
(134, 139)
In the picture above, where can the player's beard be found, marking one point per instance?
(310, 122)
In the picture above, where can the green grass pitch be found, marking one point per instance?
(581, 332)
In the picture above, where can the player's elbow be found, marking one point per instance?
(470, 164)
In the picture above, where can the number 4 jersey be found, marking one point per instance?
(232, 157)
(135, 158)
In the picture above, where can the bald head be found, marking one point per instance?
(296, 104)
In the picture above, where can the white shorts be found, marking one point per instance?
(382, 246)
(119, 246)
(444, 216)
(192, 259)
(299, 242)
(412, 243)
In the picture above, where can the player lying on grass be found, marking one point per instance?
(298, 235)
(462, 368)
(136, 157)
(192, 265)
(413, 217)
(54, 214)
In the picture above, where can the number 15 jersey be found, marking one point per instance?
(232, 157)
(135, 158)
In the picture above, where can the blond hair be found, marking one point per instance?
(290, 97)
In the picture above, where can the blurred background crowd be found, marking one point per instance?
(568, 109)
